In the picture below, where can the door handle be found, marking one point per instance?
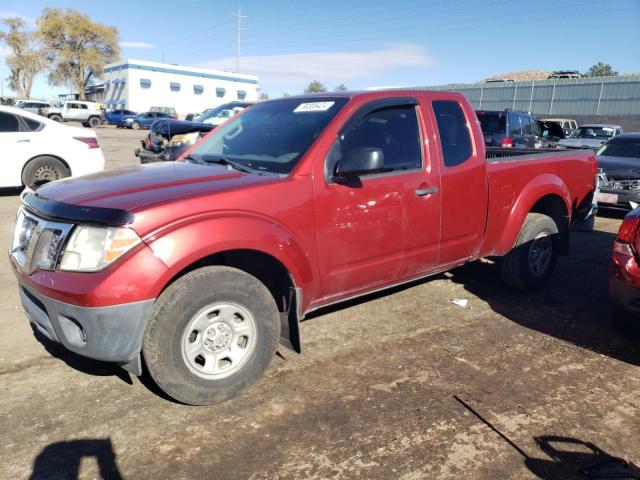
(24, 140)
(423, 192)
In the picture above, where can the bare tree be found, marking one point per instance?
(25, 61)
(77, 48)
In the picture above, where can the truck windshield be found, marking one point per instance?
(270, 136)
(492, 122)
(598, 133)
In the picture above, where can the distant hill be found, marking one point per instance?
(522, 76)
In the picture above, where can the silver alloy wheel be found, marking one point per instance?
(540, 254)
(218, 340)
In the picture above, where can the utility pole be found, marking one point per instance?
(239, 30)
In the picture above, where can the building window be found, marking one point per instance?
(198, 89)
(241, 94)
(220, 92)
(175, 86)
(145, 83)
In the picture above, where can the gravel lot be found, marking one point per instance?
(371, 397)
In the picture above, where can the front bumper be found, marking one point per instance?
(168, 154)
(624, 296)
(626, 198)
(112, 333)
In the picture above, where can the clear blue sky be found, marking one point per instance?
(364, 43)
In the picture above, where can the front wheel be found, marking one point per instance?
(211, 334)
(135, 125)
(531, 262)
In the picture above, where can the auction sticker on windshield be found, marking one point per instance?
(314, 107)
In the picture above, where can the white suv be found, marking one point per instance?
(90, 114)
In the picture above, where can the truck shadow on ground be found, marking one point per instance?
(570, 458)
(96, 367)
(61, 460)
(573, 306)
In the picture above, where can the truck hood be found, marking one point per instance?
(619, 168)
(581, 143)
(135, 187)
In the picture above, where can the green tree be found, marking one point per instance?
(285, 94)
(76, 48)
(263, 96)
(601, 70)
(341, 88)
(25, 61)
(315, 87)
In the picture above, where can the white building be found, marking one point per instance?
(138, 85)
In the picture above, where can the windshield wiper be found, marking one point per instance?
(220, 160)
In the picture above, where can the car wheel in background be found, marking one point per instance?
(211, 334)
(531, 262)
(43, 169)
(135, 125)
(55, 118)
(94, 122)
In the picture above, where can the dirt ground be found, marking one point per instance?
(373, 395)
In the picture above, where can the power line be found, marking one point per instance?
(239, 30)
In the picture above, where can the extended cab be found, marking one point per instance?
(200, 267)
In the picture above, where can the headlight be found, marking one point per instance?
(186, 139)
(93, 248)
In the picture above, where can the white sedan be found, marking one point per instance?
(35, 149)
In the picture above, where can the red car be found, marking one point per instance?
(624, 274)
(200, 267)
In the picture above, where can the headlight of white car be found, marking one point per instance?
(93, 248)
(186, 139)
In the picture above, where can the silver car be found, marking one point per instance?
(592, 135)
(32, 106)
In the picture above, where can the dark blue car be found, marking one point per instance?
(115, 117)
(143, 120)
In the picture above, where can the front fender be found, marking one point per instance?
(194, 238)
(538, 187)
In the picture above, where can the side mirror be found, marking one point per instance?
(360, 161)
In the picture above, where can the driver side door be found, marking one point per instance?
(361, 224)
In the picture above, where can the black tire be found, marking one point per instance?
(56, 118)
(135, 125)
(173, 314)
(625, 322)
(43, 169)
(525, 267)
(94, 122)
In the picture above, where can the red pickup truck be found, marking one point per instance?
(202, 266)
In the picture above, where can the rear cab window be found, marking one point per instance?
(455, 137)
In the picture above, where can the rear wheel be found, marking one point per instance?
(135, 125)
(94, 122)
(212, 333)
(43, 169)
(531, 262)
(56, 118)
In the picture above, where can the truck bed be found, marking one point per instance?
(508, 180)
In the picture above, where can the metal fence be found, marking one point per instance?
(580, 96)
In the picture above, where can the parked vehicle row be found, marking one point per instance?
(169, 138)
(592, 135)
(203, 265)
(90, 114)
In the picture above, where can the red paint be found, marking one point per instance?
(336, 241)
(624, 261)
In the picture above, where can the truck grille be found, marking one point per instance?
(37, 243)
(623, 184)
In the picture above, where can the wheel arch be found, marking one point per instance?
(546, 194)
